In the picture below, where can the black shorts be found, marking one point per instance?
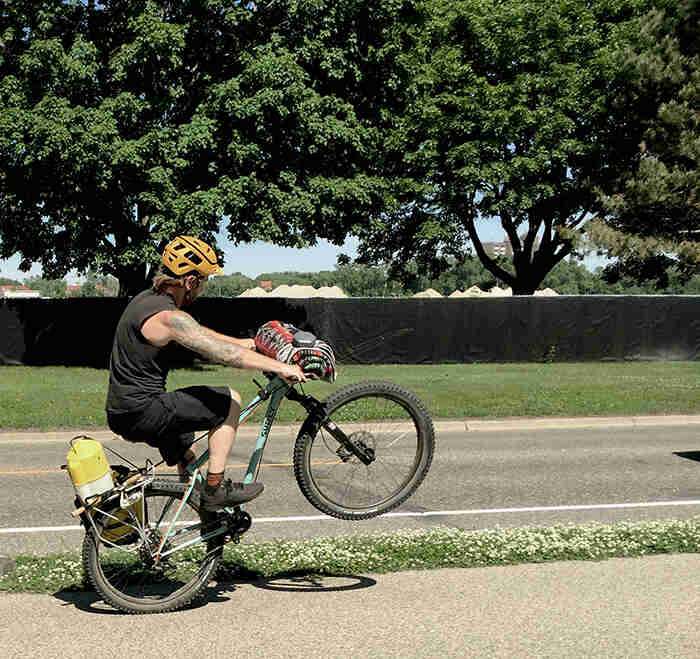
(172, 418)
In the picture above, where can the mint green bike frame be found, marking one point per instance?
(275, 391)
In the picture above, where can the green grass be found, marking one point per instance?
(53, 397)
(46, 398)
(402, 550)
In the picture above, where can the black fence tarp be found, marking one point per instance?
(78, 332)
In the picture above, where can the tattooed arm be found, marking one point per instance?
(180, 327)
(246, 344)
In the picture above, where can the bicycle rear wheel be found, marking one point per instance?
(384, 420)
(129, 577)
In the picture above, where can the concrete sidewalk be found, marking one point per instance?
(468, 425)
(640, 607)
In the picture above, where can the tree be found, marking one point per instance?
(514, 121)
(124, 123)
(286, 278)
(655, 211)
(228, 285)
(569, 277)
(364, 281)
(56, 288)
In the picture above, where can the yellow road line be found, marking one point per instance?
(37, 472)
(34, 472)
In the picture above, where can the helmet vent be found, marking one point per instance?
(195, 258)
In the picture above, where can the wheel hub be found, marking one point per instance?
(363, 441)
(148, 550)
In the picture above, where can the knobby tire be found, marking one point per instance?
(127, 580)
(401, 436)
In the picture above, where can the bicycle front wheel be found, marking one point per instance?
(384, 421)
(136, 573)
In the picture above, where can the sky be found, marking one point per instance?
(251, 260)
(256, 258)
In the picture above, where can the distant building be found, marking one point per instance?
(495, 250)
(18, 291)
(73, 289)
(504, 248)
(266, 284)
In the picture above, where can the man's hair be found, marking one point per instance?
(164, 277)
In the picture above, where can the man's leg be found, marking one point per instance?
(221, 438)
(218, 408)
(217, 492)
(184, 462)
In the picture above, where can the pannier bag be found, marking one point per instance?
(92, 475)
(122, 530)
(88, 468)
(291, 345)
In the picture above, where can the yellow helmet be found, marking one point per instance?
(185, 253)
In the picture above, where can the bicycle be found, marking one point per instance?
(359, 453)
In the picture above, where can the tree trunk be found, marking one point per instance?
(523, 288)
(132, 281)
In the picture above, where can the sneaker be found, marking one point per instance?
(229, 494)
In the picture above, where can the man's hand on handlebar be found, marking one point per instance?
(292, 373)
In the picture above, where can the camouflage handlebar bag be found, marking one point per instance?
(291, 345)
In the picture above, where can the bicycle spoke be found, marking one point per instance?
(128, 576)
(386, 425)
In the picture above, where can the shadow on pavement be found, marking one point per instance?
(688, 455)
(291, 582)
(229, 578)
(314, 583)
(91, 602)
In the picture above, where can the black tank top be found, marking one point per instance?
(137, 369)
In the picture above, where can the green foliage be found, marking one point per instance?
(356, 280)
(658, 199)
(515, 121)
(95, 285)
(122, 124)
(569, 277)
(457, 275)
(51, 397)
(56, 288)
(227, 285)
(289, 278)
(307, 562)
(408, 123)
(364, 281)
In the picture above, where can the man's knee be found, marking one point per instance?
(235, 408)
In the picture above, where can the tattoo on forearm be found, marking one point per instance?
(189, 333)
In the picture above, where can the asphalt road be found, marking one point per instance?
(515, 475)
(507, 475)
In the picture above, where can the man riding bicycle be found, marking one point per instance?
(138, 406)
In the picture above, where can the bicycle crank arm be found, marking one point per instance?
(233, 522)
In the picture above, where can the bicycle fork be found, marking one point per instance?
(318, 416)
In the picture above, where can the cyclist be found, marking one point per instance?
(138, 406)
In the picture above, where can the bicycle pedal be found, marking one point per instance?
(238, 524)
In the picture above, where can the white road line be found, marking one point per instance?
(428, 513)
